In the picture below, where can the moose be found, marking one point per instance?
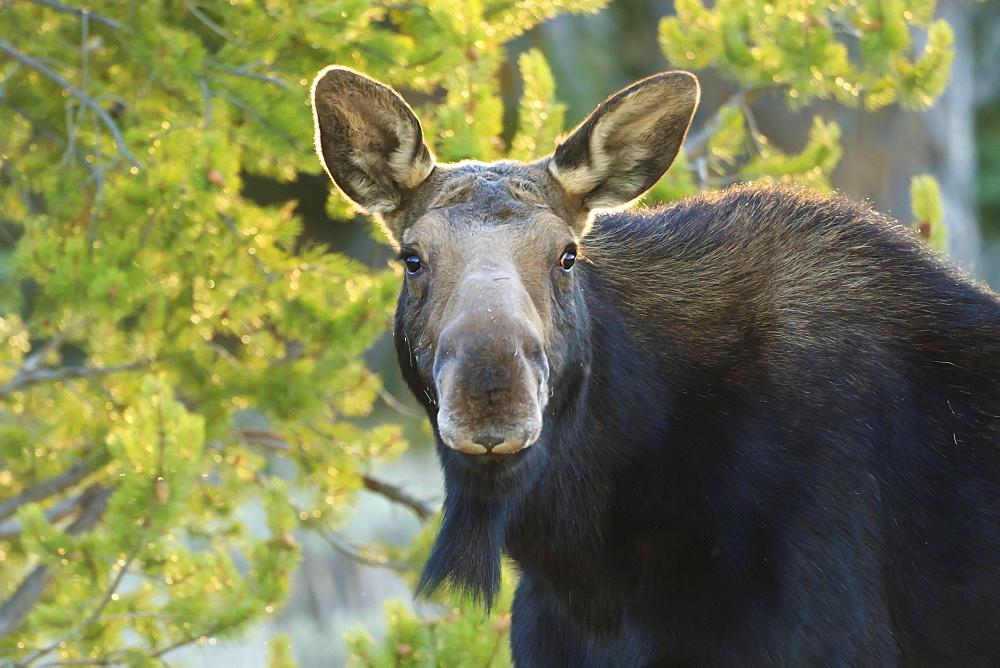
(754, 427)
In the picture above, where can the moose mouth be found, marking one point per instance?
(489, 439)
(501, 421)
(490, 368)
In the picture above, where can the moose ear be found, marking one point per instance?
(626, 145)
(368, 138)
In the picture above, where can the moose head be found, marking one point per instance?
(490, 323)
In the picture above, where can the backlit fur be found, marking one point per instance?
(370, 142)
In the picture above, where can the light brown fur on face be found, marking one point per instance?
(490, 248)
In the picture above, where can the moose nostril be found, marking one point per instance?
(488, 441)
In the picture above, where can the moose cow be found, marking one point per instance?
(755, 427)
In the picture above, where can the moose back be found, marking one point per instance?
(754, 427)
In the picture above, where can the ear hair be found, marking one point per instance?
(622, 149)
(369, 140)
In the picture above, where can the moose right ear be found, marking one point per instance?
(368, 138)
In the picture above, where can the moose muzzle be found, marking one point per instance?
(490, 370)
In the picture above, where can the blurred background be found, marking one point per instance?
(269, 209)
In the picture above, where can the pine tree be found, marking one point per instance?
(857, 53)
(163, 340)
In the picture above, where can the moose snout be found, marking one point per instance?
(492, 390)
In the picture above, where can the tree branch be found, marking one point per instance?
(218, 628)
(353, 554)
(250, 75)
(35, 359)
(696, 142)
(31, 589)
(277, 443)
(122, 570)
(53, 485)
(751, 121)
(240, 104)
(422, 509)
(66, 9)
(207, 94)
(398, 405)
(264, 438)
(13, 528)
(105, 117)
(210, 24)
(32, 377)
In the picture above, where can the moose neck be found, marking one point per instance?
(605, 430)
(499, 505)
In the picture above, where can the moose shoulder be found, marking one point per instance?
(755, 427)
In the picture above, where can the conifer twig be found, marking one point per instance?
(241, 72)
(209, 23)
(277, 443)
(123, 565)
(218, 628)
(243, 238)
(66, 9)
(264, 438)
(108, 595)
(51, 486)
(35, 359)
(31, 377)
(241, 104)
(353, 554)
(697, 141)
(74, 127)
(31, 589)
(13, 527)
(751, 121)
(51, 135)
(207, 94)
(42, 68)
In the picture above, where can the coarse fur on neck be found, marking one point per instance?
(583, 449)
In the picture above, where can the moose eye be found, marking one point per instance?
(413, 264)
(568, 259)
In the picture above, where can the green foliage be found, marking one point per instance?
(540, 116)
(456, 633)
(925, 201)
(988, 172)
(469, 123)
(805, 47)
(280, 654)
(163, 329)
(856, 52)
(458, 639)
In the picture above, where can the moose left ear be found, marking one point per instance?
(627, 144)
